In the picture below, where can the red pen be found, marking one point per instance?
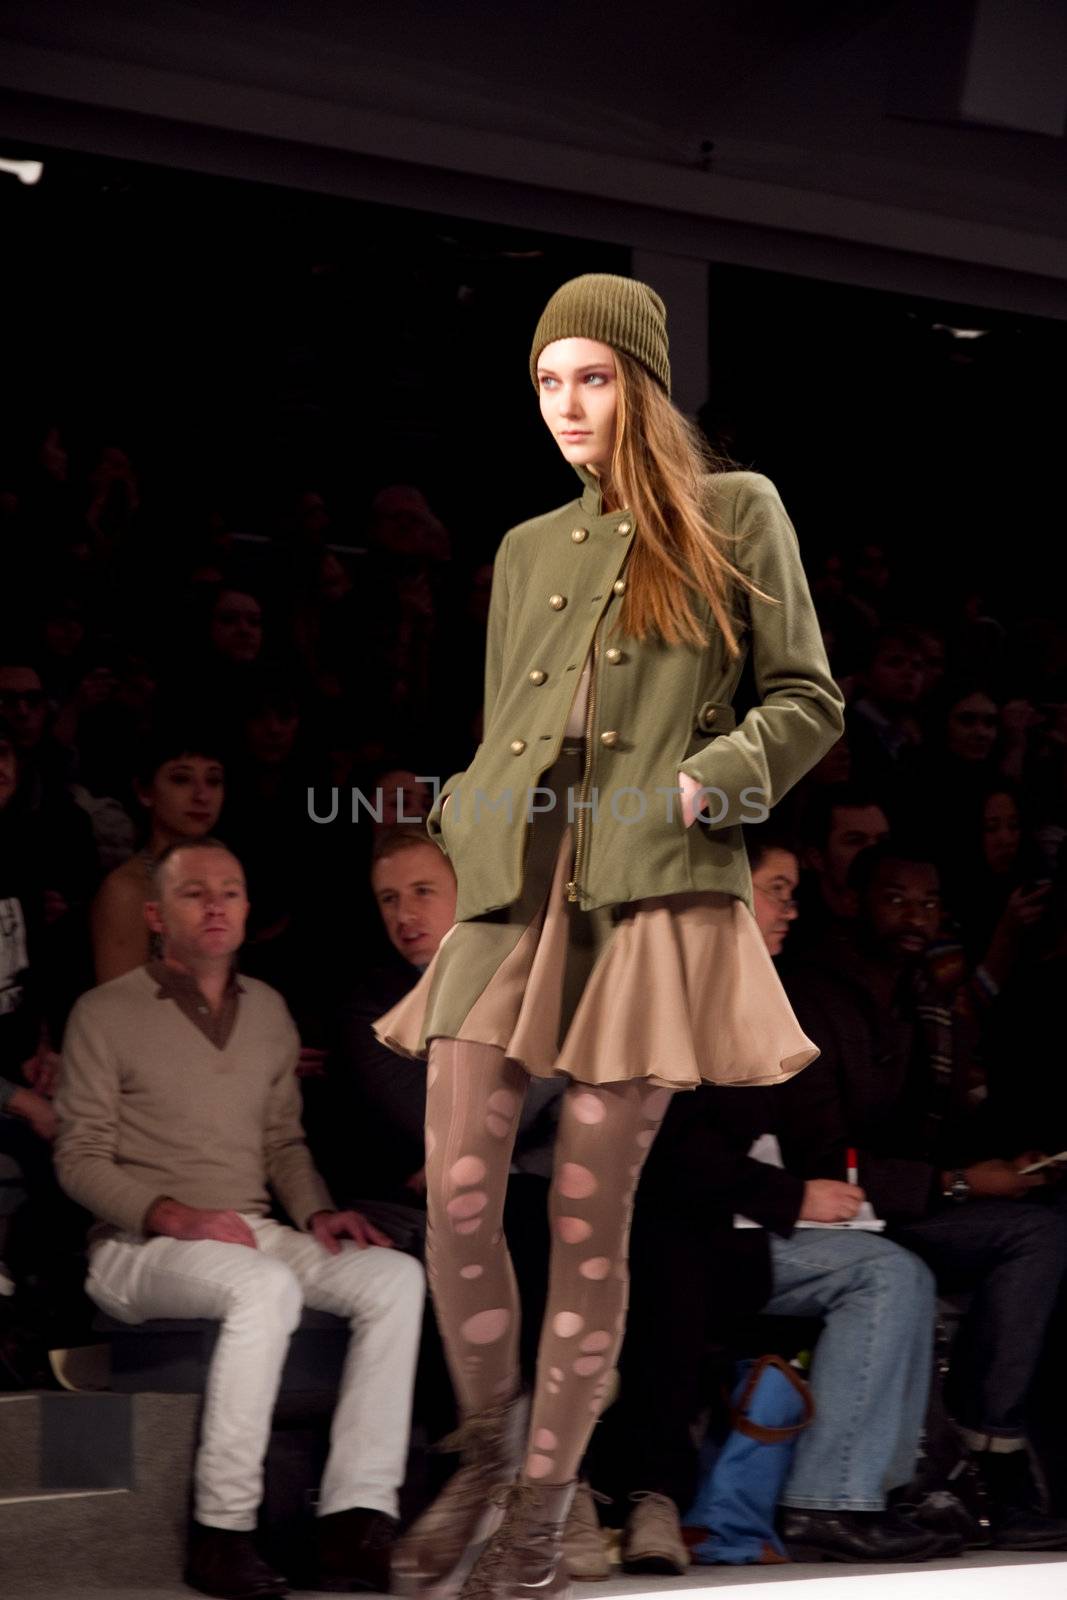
(853, 1167)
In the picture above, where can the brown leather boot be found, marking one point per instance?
(464, 1513)
(524, 1558)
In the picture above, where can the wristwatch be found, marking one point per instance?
(958, 1189)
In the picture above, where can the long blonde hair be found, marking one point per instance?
(658, 471)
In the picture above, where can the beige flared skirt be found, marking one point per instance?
(678, 989)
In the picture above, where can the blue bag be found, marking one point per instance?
(741, 1476)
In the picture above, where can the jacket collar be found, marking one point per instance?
(592, 493)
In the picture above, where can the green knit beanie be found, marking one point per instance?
(621, 312)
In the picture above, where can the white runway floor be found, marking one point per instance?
(979, 1576)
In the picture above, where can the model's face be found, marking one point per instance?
(416, 894)
(185, 796)
(202, 907)
(579, 397)
(972, 727)
(775, 882)
(1001, 832)
(852, 829)
(903, 909)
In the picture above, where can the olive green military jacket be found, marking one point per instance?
(653, 710)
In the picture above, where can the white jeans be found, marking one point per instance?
(257, 1296)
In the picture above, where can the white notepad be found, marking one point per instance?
(766, 1148)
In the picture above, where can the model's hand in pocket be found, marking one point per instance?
(693, 798)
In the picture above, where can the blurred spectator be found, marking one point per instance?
(181, 787)
(891, 1073)
(996, 880)
(838, 821)
(236, 627)
(883, 724)
(43, 1237)
(56, 834)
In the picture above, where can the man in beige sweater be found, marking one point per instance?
(179, 1110)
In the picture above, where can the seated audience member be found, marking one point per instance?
(46, 1233)
(959, 759)
(694, 1275)
(376, 1103)
(884, 731)
(179, 1113)
(181, 787)
(996, 884)
(892, 1076)
(838, 822)
(56, 831)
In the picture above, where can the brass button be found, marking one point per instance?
(518, 746)
(610, 738)
(619, 586)
(614, 655)
(557, 601)
(537, 676)
(580, 535)
(709, 716)
(624, 528)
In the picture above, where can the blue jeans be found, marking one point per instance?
(871, 1372)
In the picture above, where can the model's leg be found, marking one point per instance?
(473, 1102)
(604, 1136)
(474, 1098)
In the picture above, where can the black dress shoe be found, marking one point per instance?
(860, 1536)
(1017, 1520)
(227, 1565)
(942, 1511)
(354, 1551)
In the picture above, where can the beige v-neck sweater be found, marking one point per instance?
(149, 1106)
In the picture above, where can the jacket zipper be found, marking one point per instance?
(573, 890)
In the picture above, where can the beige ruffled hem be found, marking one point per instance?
(683, 991)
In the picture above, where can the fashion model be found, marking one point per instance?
(604, 924)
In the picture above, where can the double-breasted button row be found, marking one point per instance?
(614, 655)
(537, 676)
(580, 535)
(557, 601)
(517, 746)
(609, 738)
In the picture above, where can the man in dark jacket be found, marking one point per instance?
(894, 1081)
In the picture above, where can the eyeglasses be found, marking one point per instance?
(783, 896)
